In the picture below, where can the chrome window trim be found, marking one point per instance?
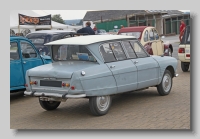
(111, 41)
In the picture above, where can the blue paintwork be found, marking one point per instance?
(19, 67)
(100, 79)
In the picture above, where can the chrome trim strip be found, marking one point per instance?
(42, 94)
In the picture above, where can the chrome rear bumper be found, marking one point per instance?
(63, 96)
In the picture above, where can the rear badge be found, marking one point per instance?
(49, 78)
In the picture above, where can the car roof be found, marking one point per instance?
(136, 29)
(18, 37)
(89, 39)
(51, 32)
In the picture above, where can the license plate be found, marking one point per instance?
(51, 83)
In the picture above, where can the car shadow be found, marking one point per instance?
(81, 109)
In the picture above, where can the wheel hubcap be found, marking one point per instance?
(103, 102)
(166, 82)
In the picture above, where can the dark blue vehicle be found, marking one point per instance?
(39, 38)
(23, 56)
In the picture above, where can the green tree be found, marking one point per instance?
(57, 18)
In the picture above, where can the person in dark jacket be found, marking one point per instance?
(87, 29)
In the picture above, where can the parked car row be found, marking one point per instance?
(30, 52)
(55, 66)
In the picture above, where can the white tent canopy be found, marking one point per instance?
(14, 22)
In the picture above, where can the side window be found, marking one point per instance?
(129, 49)
(27, 50)
(146, 36)
(151, 35)
(138, 50)
(14, 55)
(156, 35)
(117, 50)
(107, 53)
(67, 36)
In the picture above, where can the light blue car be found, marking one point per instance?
(23, 56)
(97, 67)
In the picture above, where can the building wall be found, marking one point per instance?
(110, 25)
(172, 24)
(147, 20)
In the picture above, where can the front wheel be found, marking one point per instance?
(165, 86)
(99, 105)
(49, 105)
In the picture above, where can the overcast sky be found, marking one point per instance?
(69, 14)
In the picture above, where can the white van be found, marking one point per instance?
(184, 50)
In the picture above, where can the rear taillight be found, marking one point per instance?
(33, 82)
(181, 50)
(72, 87)
(187, 55)
(66, 84)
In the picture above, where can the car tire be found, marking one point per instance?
(165, 86)
(185, 66)
(170, 52)
(49, 105)
(99, 105)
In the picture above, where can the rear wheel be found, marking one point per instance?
(170, 52)
(99, 105)
(165, 86)
(185, 66)
(49, 105)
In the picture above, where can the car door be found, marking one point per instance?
(153, 42)
(123, 70)
(30, 58)
(159, 44)
(147, 67)
(16, 68)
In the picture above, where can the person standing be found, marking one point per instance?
(182, 28)
(87, 29)
(95, 29)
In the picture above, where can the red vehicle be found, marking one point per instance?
(149, 38)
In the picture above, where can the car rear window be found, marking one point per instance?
(37, 41)
(72, 53)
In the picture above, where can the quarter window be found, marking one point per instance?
(151, 35)
(129, 49)
(146, 36)
(118, 51)
(14, 55)
(138, 50)
(107, 53)
(27, 50)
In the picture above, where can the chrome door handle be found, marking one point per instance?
(24, 62)
(112, 66)
(135, 62)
